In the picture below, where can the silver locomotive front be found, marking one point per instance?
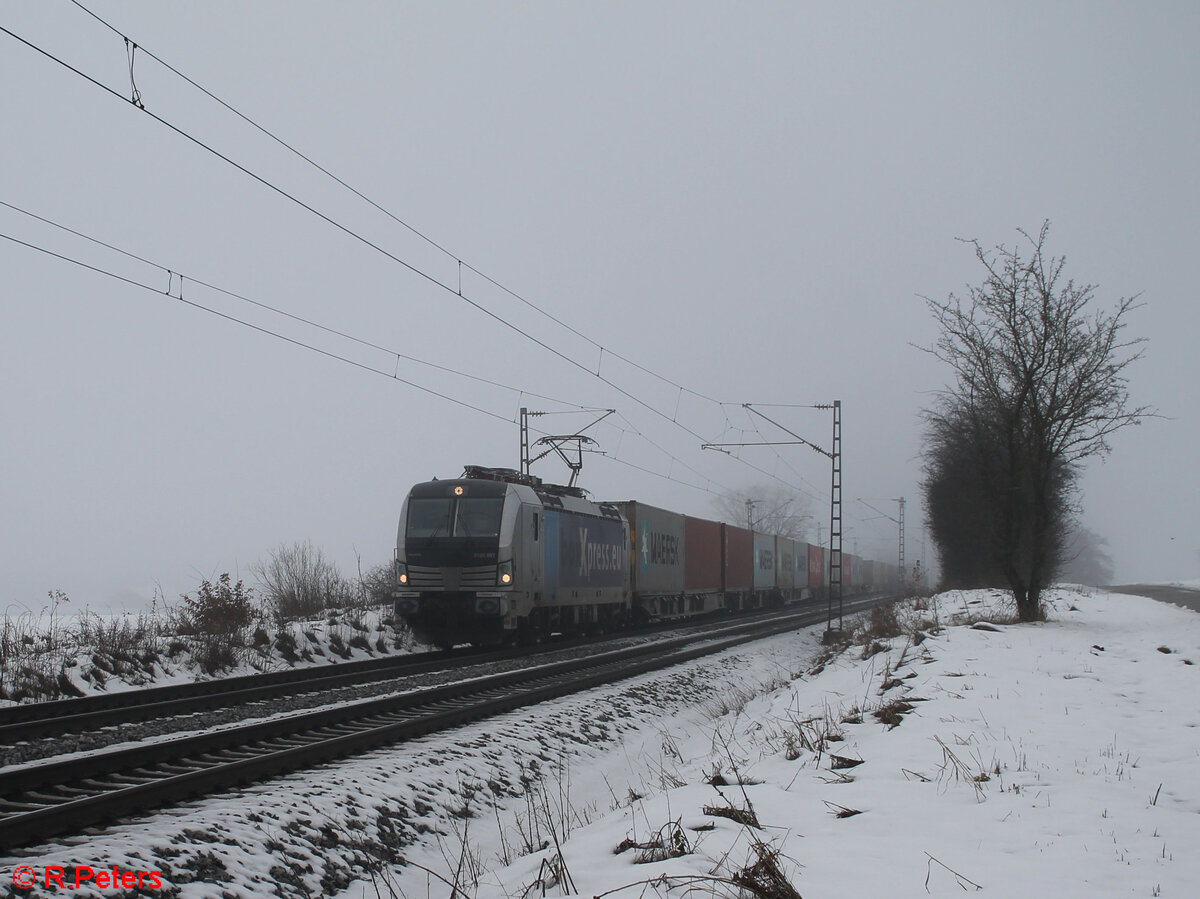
(463, 565)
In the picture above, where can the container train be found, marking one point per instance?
(497, 557)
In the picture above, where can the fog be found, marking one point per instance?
(746, 202)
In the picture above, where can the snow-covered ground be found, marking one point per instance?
(80, 654)
(1058, 759)
(1050, 760)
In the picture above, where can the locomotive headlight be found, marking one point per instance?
(401, 573)
(504, 574)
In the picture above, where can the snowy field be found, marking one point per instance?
(1060, 759)
(1057, 759)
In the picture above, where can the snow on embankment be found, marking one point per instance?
(1057, 759)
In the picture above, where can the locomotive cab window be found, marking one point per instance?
(429, 517)
(478, 516)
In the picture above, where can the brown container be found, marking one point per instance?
(739, 558)
(816, 566)
(702, 571)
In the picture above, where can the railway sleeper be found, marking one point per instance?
(74, 792)
(344, 730)
(129, 779)
(49, 799)
(443, 705)
(292, 741)
(239, 755)
(218, 757)
(395, 717)
(95, 785)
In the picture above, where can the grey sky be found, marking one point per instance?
(749, 199)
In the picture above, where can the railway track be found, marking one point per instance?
(60, 797)
(90, 713)
(43, 719)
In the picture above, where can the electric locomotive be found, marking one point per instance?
(498, 557)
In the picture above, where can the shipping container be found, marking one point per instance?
(764, 562)
(847, 571)
(785, 563)
(657, 539)
(739, 559)
(816, 566)
(703, 556)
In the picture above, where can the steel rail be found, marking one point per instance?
(45, 800)
(32, 721)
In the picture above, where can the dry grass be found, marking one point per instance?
(764, 877)
(747, 817)
(671, 841)
(893, 712)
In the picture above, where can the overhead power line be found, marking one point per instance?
(172, 274)
(134, 282)
(135, 100)
(380, 208)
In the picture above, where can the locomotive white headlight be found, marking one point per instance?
(401, 573)
(504, 574)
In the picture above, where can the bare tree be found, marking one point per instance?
(771, 509)
(1045, 376)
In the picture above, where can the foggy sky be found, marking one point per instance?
(750, 200)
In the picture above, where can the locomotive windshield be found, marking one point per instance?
(476, 516)
(429, 517)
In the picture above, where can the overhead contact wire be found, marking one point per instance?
(231, 318)
(380, 208)
(171, 274)
(135, 101)
(348, 231)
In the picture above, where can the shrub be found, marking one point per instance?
(218, 614)
(221, 608)
(297, 582)
(378, 585)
